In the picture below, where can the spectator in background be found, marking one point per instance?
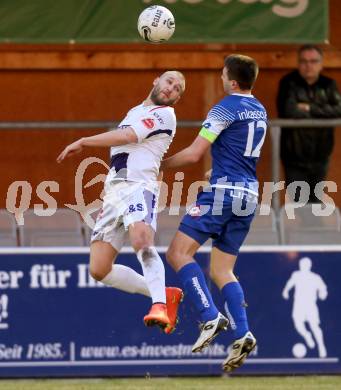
(305, 93)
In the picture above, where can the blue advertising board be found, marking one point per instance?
(57, 321)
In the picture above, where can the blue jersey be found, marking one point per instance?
(236, 126)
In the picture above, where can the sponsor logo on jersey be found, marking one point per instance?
(148, 123)
(252, 114)
(194, 211)
(158, 117)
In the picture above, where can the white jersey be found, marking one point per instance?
(140, 162)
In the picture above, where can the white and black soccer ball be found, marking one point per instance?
(156, 24)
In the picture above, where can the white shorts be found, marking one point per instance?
(124, 203)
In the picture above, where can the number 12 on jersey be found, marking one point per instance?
(252, 150)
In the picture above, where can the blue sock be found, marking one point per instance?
(194, 283)
(235, 308)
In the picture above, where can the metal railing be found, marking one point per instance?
(77, 125)
(275, 126)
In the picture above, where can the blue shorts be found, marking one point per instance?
(225, 215)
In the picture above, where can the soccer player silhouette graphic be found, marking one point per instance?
(308, 288)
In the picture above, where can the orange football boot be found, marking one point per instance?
(157, 316)
(174, 297)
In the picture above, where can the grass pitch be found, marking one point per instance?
(228, 383)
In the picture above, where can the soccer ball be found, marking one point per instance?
(156, 24)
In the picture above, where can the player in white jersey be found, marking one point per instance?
(130, 201)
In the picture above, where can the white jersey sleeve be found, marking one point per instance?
(159, 120)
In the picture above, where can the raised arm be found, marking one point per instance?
(218, 119)
(107, 139)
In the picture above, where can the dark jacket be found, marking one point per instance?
(307, 146)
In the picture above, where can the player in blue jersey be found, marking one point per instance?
(235, 130)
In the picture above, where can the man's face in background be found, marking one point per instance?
(310, 64)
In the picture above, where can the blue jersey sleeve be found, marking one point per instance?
(218, 119)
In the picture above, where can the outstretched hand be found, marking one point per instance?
(70, 150)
